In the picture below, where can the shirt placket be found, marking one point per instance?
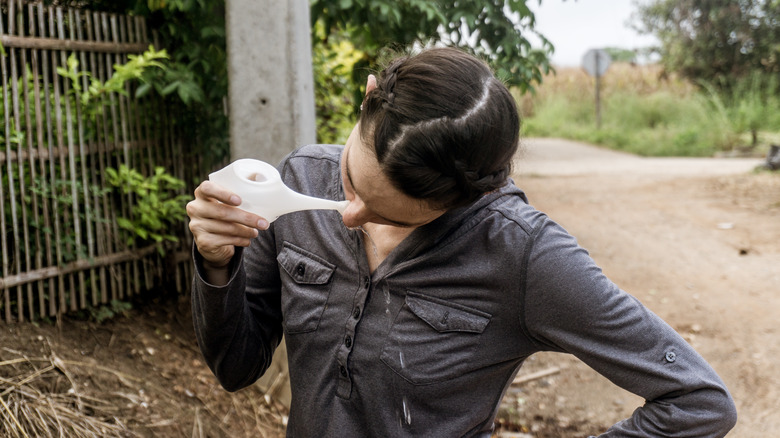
(348, 341)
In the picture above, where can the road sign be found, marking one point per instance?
(596, 62)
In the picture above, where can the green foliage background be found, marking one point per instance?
(729, 48)
(348, 37)
(195, 75)
(717, 41)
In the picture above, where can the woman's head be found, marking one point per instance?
(442, 127)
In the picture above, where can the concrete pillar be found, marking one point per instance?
(271, 89)
(271, 102)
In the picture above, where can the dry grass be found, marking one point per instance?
(40, 398)
(642, 111)
(638, 80)
(51, 396)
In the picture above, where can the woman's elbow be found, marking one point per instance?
(728, 414)
(721, 414)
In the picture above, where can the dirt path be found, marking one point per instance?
(696, 240)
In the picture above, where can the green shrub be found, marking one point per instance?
(157, 208)
(649, 116)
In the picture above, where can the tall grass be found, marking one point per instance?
(643, 111)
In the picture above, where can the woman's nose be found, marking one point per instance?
(356, 214)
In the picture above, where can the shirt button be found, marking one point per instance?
(356, 313)
(343, 370)
(348, 341)
(300, 269)
(671, 356)
(366, 282)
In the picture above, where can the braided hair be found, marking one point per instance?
(443, 128)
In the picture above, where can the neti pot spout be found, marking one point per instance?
(263, 192)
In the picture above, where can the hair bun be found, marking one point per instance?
(492, 181)
(478, 183)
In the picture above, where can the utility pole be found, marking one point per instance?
(271, 102)
(271, 88)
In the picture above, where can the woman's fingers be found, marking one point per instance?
(214, 202)
(208, 189)
(227, 231)
(218, 226)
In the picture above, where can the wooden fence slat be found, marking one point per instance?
(70, 45)
(6, 123)
(63, 247)
(125, 288)
(81, 265)
(77, 202)
(11, 126)
(47, 153)
(71, 165)
(33, 12)
(74, 19)
(32, 243)
(103, 229)
(104, 147)
(48, 84)
(91, 199)
(100, 67)
(111, 30)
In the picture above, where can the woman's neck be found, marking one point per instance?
(380, 240)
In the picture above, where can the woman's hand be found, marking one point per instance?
(218, 226)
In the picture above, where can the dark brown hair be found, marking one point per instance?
(443, 128)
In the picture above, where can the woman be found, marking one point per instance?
(411, 314)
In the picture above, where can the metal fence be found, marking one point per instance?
(61, 247)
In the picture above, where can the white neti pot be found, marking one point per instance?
(262, 191)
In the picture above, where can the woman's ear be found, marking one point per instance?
(371, 84)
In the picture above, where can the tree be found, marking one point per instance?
(496, 30)
(720, 41)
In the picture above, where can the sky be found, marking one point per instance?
(575, 26)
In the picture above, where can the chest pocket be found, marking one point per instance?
(433, 340)
(305, 288)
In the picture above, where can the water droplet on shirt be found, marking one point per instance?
(386, 291)
(407, 413)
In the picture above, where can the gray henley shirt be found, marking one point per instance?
(428, 343)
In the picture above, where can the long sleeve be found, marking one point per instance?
(238, 325)
(570, 306)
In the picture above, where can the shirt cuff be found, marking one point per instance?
(233, 266)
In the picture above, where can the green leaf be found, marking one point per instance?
(212, 31)
(143, 90)
(125, 223)
(170, 88)
(73, 63)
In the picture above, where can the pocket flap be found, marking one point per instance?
(303, 266)
(447, 317)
